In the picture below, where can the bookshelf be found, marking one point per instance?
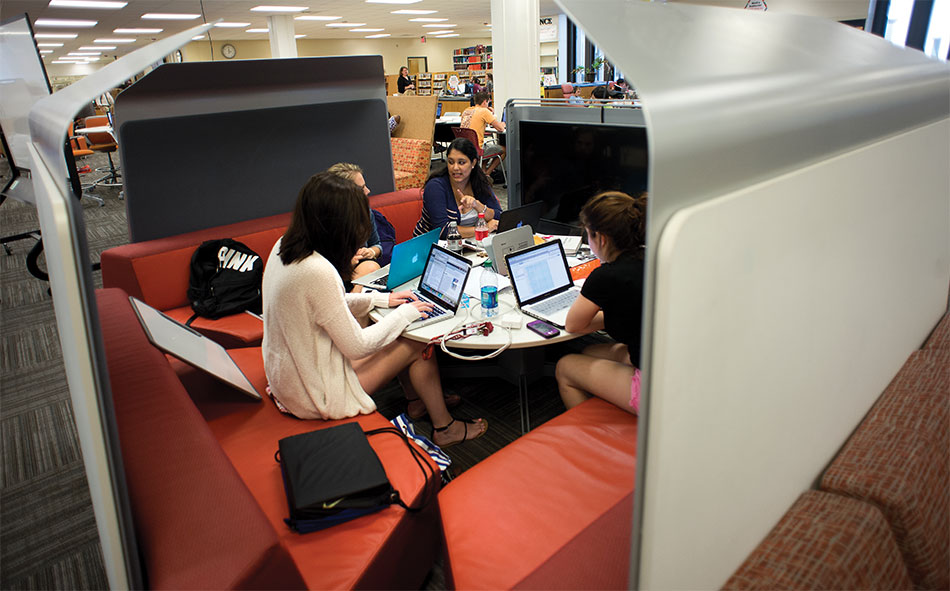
(428, 83)
(477, 57)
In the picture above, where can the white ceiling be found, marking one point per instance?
(470, 17)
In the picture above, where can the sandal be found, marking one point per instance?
(466, 423)
(451, 401)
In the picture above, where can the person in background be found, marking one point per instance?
(599, 98)
(364, 262)
(458, 192)
(404, 83)
(477, 118)
(611, 299)
(567, 89)
(319, 361)
(394, 121)
(490, 85)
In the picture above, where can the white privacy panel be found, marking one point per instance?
(782, 312)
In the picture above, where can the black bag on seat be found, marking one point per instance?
(225, 279)
(332, 475)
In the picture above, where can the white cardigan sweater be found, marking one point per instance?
(311, 334)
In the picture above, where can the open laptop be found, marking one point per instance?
(504, 243)
(442, 285)
(407, 262)
(192, 347)
(542, 282)
(526, 215)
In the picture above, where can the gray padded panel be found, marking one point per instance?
(190, 133)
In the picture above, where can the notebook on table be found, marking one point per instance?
(542, 282)
(407, 262)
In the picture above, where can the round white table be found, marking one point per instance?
(524, 359)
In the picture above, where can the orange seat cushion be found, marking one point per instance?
(552, 509)
(388, 549)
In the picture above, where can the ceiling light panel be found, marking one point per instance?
(96, 47)
(232, 25)
(441, 32)
(136, 31)
(49, 44)
(113, 40)
(56, 35)
(257, 31)
(102, 4)
(449, 35)
(428, 20)
(314, 17)
(378, 36)
(345, 25)
(414, 11)
(366, 30)
(266, 8)
(169, 16)
(64, 22)
(439, 25)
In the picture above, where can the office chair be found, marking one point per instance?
(103, 141)
(471, 136)
(79, 148)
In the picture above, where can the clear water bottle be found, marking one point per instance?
(453, 238)
(481, 229)
(489, 291)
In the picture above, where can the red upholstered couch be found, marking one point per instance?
(550, 511)
(206, 493)
(156, 271)
(881, 519)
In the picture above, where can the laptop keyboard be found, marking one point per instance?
(433, 313)
(380, 281)
(557, 303)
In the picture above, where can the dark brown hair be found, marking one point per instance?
(482, 96)
(481, 184)
(331, 217)
(620, 217)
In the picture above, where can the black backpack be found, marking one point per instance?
(225, 279)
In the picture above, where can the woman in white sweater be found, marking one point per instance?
(320, 362)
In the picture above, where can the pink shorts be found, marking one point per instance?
(635, 391)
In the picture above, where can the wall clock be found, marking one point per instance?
(228, 50)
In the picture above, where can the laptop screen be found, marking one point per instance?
(538, 271)
(444, 276)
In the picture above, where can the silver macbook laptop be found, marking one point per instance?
(192, 347)
(505, 243)
(441, 284)
(542, 282)
(406, 264)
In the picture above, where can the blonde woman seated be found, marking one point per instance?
(364, 262)
(320, 363)
(611, 299)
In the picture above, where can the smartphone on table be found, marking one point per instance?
(543, 328)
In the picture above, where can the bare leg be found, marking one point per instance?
(364, 268)
(580, 376)
(614, 351)
(404, 357)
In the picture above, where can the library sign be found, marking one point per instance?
(756, 5)
(548, 30)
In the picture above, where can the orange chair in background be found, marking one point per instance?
(472, 136)
(103, 141)
(80, 149)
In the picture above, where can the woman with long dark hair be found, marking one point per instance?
(612, 300)
(319, 361)
(404, 82)
(458, 193)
